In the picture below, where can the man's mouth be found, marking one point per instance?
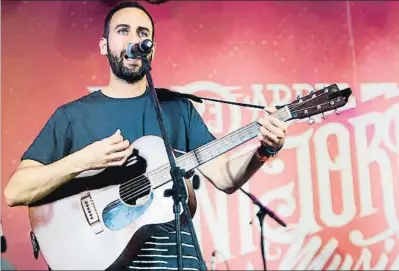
(131, 60)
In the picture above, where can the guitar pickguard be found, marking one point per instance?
(117, 215)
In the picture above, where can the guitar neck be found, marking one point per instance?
(224, 144)
(215, 148)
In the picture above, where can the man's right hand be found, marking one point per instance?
(108, 152)
(33, 180)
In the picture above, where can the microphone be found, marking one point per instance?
(136, 50)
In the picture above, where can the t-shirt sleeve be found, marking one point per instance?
(198, 133)
(53, 141)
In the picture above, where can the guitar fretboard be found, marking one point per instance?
(213, 149)
(217, 147)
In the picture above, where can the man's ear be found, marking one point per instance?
(103, 46)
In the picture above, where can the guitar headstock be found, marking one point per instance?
(318, 102)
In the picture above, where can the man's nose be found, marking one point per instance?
(134, 39)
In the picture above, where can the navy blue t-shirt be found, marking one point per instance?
(96, 116)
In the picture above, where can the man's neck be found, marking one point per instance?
(120, 89)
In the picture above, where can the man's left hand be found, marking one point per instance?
(272, 130)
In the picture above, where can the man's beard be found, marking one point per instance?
(121, 71)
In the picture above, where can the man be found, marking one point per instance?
(96, 131)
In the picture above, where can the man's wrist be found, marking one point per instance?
(264, 153)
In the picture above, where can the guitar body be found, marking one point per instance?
(90, 224)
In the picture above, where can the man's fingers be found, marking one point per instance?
(276, 131)
(264, 141)
(121, 154)
(279, 124)
(115, 138)
(117, 163)
(119, 146)
(268, 135)
(270, 109)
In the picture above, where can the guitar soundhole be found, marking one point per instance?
(135, 192)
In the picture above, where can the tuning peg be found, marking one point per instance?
(312, 93)
(299, 97)
(323, 116)
(336, 111)
(311, 120)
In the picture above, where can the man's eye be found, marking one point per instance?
(143, 34)
(122, 31)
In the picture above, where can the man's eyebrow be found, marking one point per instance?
(141, 28)
(122, 25)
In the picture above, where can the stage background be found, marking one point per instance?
(336, 181)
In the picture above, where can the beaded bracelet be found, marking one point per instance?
(260, 157)
(263, 154)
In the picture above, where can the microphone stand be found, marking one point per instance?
(263, 211)
(178, 191)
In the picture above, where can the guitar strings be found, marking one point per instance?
(128, 185)
(185, 158)
(139, 180)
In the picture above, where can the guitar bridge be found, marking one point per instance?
(91, 213)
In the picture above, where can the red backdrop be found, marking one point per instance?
(335, 183)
